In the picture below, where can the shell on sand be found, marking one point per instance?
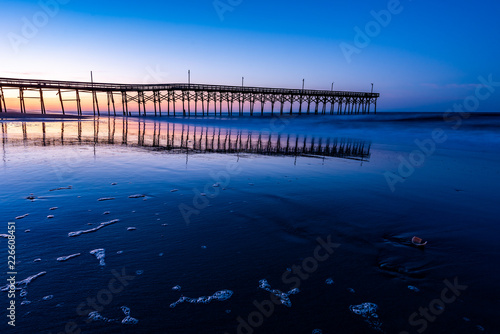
(418, 242)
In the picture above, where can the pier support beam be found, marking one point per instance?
(78, 103)
(262, 104)
(42, 102)
(215, 104)
(157, 99)
(173, 100)
(141, 101)
(239, 104)
(2, 101)
(232, 103)
(195, 104)
(252, 103)
(124, 103)
(203, 103)
(111, 102)
(183, 104)
(61, 99)
(282, 101)
(221, 97)
(208, 103)
(96, 103)
(21, 101)
(168, 102)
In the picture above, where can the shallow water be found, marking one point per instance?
(220, 205)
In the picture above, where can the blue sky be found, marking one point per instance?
(427, 56)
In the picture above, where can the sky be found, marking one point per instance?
(421, 55)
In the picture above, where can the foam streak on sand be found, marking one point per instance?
(219, 295)
(128, 320)
(283, 296)
(24, 283)
(137, 196)
(62, 188)
(105, 199)
(100, 255)
(368, 312)
(66, 258)
(77, 233)
(96, 316)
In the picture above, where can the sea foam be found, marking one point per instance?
(283, 296)
(369, 312)
(100, 255)
(77, 233)
(219, 296)
(66, 258)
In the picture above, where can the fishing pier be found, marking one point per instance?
(185, 99)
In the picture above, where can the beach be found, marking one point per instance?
(194, 224)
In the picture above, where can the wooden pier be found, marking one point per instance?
(191, 99)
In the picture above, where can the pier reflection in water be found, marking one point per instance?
(180, 138)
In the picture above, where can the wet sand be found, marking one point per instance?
(21, 116)
(232, 217)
